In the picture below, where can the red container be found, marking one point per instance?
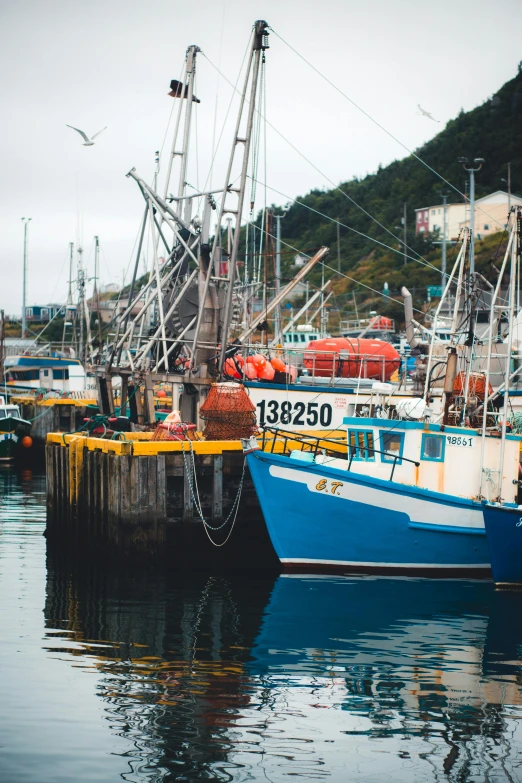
(351, 358)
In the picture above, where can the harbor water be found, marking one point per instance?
(112, 673)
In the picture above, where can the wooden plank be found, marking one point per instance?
(134, 511)
(95, 493)
(125, 492)
(104, 494)
(48, 480)
(145, 491)
(150, 413)
(217, 487)
(161, 488)
(86, 493)
(123, 394)
(113, 512)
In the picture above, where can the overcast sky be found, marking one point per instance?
(91, 63)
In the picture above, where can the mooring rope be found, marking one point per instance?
(192, 481)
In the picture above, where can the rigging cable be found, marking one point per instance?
(342, 274)
(379, 125)
(334, 186)
(419, 260)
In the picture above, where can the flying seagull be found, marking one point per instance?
(89, 142)
(426, 113)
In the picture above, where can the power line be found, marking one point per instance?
(419, 260)
(376, 122)
(342, 274)
(307, 160)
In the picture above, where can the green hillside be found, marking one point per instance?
(490, 131)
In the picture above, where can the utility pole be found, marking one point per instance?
(338, 247)
(96, 288)
(25, 221)
(444, 231)
(404, 236)
(81, 308)
(472, 171)
(509, 187)
(278, 269)
(68, 306)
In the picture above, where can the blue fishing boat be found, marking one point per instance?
(399, 496)
(504, 537)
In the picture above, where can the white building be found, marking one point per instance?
(490, 216)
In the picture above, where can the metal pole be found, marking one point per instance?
(472, 221)
(191, 68)
(68, 310)
(512, 283)
(472, 171)
(278, 275)
(97, 290)
(405, 236)
(71, 252)
(338, 246)
(259, 44)
(24, 278)
(444, 232)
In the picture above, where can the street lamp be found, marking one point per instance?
(25, 221)
(472, 169)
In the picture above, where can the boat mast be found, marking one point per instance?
(515, 254)
(259, 46)
(68, 306)
(492, 322)
(96, 292)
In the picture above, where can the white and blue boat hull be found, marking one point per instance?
(504, 537)
(324, 518)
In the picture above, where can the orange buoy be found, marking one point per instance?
(230, 369)
(267, 372)
(250, 371)
(161, 393)
(278, 364)
(27, 442)
(258, 360)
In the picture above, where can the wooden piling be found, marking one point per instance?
(136, 495)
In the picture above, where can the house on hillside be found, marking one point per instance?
(490, 216)
(44, 313)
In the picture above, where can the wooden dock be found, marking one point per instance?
(138, 496)
(53, 415)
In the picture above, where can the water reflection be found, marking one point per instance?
(155, 675)
(316, 677)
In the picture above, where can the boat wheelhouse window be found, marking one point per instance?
(24, 375)
(361, 445)
(3, 414)
(60, 375)
(393, 444)
(432, 447)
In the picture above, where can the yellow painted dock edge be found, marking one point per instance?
(140, 444)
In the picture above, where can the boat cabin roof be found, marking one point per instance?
(357, 422)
